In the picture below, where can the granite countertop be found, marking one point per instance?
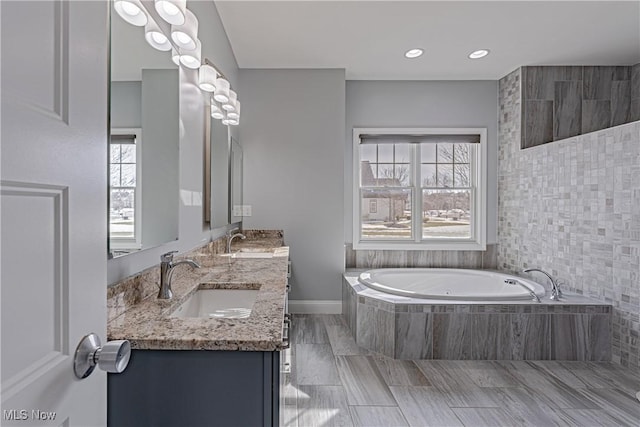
(147, 324)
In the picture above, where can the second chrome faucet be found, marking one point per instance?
(166, 272)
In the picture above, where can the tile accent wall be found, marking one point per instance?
(443, 259)
(561, 102)
(573, 209)
(635, 92)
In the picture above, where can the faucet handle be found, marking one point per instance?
(168, 257)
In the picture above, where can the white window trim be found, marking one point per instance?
(135, 243)
(479, 225)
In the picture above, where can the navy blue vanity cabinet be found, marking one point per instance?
(183, 388)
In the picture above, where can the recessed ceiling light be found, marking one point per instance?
(413, 53)
(479, 54)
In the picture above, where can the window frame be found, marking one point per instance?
(479, 195)
(125, 243)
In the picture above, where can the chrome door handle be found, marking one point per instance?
(112, 357)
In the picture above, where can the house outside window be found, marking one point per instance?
(124, 189)
(420, 188)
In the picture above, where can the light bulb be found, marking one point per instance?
(207, 77)
(172, 11)
(131, 11)
(222, 90)
(230, 105)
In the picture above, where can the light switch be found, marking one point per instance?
(237, 210)
(246, 210)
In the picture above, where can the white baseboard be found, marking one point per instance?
(315, 307)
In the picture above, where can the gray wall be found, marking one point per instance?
(292, 134)
(571, 207)
(192, 230)
(422, 104)
(160, 157)
(126, 108)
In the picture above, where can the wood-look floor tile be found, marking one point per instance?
(525, 406)
(323, 406)
(549, 388)
(308, 329)
(619, 404)
(454, 382)
(485, 417)
(594, 375)
(556, 370)
(315, 365)
(377, 416)
(290, 416)
(400, 372)
(589, 417)
(333, 320)
(363, 382)
(424, 406)
(342, 342)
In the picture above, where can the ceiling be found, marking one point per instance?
(369, 38)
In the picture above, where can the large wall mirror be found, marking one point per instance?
(224, 175)
(143, 146)
(235, 184)
(219, 203)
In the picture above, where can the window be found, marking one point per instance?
(124, 189)
(419, 189)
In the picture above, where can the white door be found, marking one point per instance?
(53, 207)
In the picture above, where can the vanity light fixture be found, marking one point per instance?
(236, 113)
(172, 11)
(413, 53)
(222, 90)
(477, 54)
(230, 105)
(131, 11)
(155, 37)
(191, 58)
(175, 57)
(216, 112)
(207, 77)
(185, 35)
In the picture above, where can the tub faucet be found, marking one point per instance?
(166, 272)
(231, 236)
(556, 293)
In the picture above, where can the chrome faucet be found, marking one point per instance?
(525, 287)
(556, 293)
(166, 272)
(231, 236)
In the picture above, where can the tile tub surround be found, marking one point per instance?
(572, 207)
(443, 259)
(577, 328)
(137, 315)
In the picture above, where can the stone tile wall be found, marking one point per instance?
(573, 208)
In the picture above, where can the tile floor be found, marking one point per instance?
(334, 382)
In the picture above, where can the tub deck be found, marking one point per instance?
(576, 328)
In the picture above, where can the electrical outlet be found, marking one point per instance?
(237, 210)
(246, 210)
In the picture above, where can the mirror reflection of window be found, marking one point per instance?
(124, 186)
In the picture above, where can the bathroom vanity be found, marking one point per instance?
(209, 367)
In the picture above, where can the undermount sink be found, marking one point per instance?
(218, 304)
